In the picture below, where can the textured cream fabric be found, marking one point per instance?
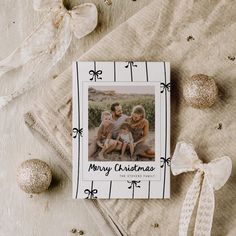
(160, 32)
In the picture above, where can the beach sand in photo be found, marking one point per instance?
(115, 155)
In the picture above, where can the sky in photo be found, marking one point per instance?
(127, 89)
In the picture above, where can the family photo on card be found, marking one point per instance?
(121, 123)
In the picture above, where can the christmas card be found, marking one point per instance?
(121, 130)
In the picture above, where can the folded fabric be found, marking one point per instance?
(196, 37)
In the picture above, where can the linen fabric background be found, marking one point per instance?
(160, 32)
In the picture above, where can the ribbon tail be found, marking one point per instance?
(32, 47)
(31, 80)
(205, 210)
(44, 63)
(189, 204)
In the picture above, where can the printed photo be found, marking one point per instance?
(121, 122)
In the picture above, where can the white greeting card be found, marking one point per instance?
(121, 130)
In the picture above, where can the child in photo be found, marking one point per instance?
(104, 135)
(126, 138)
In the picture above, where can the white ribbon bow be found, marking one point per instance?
(49, 41)
(209, 177)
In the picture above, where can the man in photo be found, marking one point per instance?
(118, 118)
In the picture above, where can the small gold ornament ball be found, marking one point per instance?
(200, 91)
(34, 176)
(108, 2)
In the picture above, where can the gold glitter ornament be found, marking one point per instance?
(200, 91)
(108, 2)
(34, 176)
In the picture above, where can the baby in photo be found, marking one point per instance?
(125, 136)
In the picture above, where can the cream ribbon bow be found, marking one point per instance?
(209, 177)
(49, 41)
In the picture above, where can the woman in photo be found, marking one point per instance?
(139, 127)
